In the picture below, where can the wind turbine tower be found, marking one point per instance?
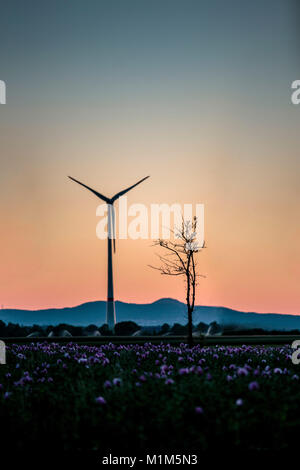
(110, 305)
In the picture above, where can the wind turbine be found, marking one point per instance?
(110, 305)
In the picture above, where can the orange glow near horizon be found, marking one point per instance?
(52, 257)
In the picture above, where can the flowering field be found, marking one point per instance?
(77, 397)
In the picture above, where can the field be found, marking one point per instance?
(162, 397)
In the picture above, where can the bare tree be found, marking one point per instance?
(179, 260)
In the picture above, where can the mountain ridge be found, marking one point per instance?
(164, 310)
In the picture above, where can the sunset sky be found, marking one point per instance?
(196, 94)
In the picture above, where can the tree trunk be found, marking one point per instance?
(190, 327)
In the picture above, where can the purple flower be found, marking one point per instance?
(169, 381)
(198, 410)
(242, 371)
(229, 378)
(183, 371)
(277, 370)
(239, 402)
(100, 401)
(117, 381)
(82, 360)
(107, 384)
(253, 386)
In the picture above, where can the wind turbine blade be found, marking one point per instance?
(113, 214)
(116, 196)
(106, 199)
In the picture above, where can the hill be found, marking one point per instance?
(156, 313)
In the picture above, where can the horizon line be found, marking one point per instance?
(147, 303)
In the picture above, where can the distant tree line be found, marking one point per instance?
(130, 328)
